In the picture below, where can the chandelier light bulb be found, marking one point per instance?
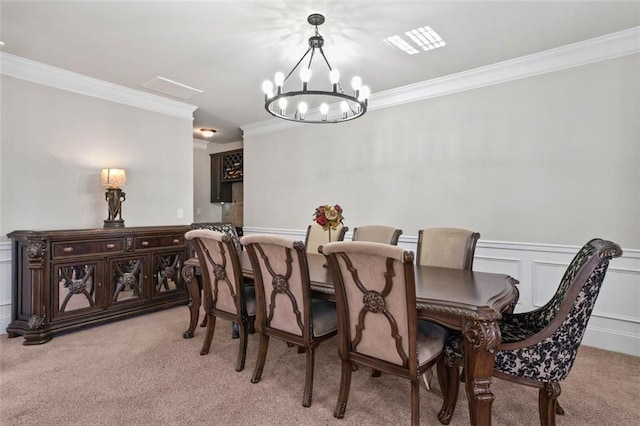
(282, 103)
(356, 83)
(279, 79)
(302, 109)
(324, 109)
(334, 76)
(267, 88)
(305, 75)
(344, 107)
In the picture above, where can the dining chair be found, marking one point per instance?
(447, 247)
(225, 294)
(539, 347)
(316, 236)
(377, 234)
(378, 324)
(285, 308)
(229, 229)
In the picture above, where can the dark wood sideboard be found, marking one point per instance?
(66, 280)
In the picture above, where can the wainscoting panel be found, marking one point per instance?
(615, 322)
(5, 285)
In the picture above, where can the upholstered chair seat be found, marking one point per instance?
(538, 348)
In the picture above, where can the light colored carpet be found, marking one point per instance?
(140, 371)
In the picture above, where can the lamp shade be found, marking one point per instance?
(113, 178)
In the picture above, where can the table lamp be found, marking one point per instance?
(113, 179)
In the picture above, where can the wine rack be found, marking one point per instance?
(232, 170)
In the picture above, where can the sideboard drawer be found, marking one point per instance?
(79, 248)
(141, 243)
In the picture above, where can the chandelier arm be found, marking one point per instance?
(313, 51)
(325, 59)
(296, 65)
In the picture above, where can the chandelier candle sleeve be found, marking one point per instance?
(312, 105)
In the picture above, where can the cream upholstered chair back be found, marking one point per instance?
(281, 277)
(447, 247)
(377, 234)
(374, 284)
(316, 236)
(222, 275)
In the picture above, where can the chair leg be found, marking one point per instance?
(211, 326)
(415, 402)
(375, 373)
(343, 394)
(204, 320)
(449, 379)
(262, 356)
(308, 379)
(242, 349)
(427, 377)
(559, 409)
(547, 403)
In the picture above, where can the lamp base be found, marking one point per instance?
(114, 223)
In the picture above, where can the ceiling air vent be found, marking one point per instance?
(171, 88)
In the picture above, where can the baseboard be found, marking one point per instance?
(5, 285)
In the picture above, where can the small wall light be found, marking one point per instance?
(113, 179)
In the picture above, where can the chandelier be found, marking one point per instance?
(311, 105)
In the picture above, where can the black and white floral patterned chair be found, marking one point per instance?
(539, 347)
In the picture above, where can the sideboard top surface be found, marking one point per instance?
(96, 232)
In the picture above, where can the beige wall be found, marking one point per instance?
(552, 159)
(55, 142)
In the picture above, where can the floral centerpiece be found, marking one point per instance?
(329, 217)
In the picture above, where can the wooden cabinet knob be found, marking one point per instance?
(176, 241)
(110, 246)
(67, 249)
(145, 243)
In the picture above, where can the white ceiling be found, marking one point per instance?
(227, 48)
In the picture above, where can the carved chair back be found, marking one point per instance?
(316, 236)
(377, 234)
(281, 277)
(223, 282)
(447, 247)
(375, 298)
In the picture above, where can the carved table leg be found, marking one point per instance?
(188, 273)
(481, 340)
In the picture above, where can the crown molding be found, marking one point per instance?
(36, 72)
(200, 144)
(610, 46)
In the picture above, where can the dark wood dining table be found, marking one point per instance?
(468, 301)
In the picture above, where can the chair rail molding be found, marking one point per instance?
(36, 72)
(615, 321)
(610, 46)
(5, 285)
